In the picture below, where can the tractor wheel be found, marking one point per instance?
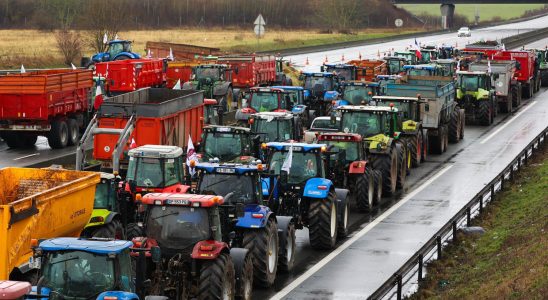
(544, 78)
(415, 147)
(73, 132)
(425, 147)
(21, 140)
(516, 95)
(122, 57)
(387, 164)
(377, 177)
(484, 113)
(364, 191)
(403, 156)
(322, 216)
(243, 270)
(288, 245)
(263, 246)
(342, 231)
(58, 135)
(454, 126)
(462, 116)
(112, 230)
(217, 279)
(133, 230)
(526, 91)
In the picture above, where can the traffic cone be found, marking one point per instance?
(307, 62)
(342, 58)
(326, 60)
(378, 53)
(360, 55)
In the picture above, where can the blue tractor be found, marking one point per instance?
(295, 95)
(344, 71)
(77, 268)
(297, 186)
(116, 50)
(357, 93)
(320, 90)
(248, 221)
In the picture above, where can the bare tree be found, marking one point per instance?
(69, 44)
(105, 17)
(341, 15)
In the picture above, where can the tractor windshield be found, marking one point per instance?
(365, 123)
(345, 73)
(318, 83)
(154, 172)
(351, 149)
(293, 97)
(470, 82)
(224, 145)
(78, 274)
(357, 94)
(105, 195)
(409, 109)
(240, 187)
(304, 165)
(212, 73)
(395, 66)
(273, 130)
(115, 48)
(266, 101)
(177, 227)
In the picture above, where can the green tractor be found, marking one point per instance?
(380, 127)
(477, 96)
(410, 56)
(216, 82)
(542, 59)
(228, 144)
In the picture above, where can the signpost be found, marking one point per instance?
(259, 28)
(398, 22)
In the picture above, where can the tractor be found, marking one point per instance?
(263, 99)
(295, 96)
(269, 238)
(395, 64)
(185, 255)
(320, 90)
(410, 56)
(116, 50)
(281, 78)
(424, 70)
(357, 93)
(428, 54)
(216, 82)
(78, 268)
(296, 186)
(477, 96)
(349, 168)
(380, 127)
(276, 126)
(449, 66)
(228, 144)
(344, 71)
(542, 62)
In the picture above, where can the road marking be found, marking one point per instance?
(30, 155)
(357, 236)
(508, 123)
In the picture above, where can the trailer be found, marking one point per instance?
(368, 69)
(527, 74)
(149, 116)
(52, 103)
(179, 51)
(38, 204)
(124, 76)
(251, 69)
(507, 89)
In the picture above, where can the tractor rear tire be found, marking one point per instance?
(243, 270)
(288, 245)
(388, 166)
(415, 147)
(454, 126)
(263, 245)
(425, 147)
(73, 132)
(323, 225)
(342, 219)
(112, 230)
(403, 157)
(484, 113)
(58, 135)
(217, 278)
(364, 192)
(133, 230)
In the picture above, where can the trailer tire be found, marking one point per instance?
(263, 245)
(113, 230)
(544, 77)
(24, 140)
(516, 95)
(243, 270)
(425, 147)
(454, 126)
(415, 147)
(58, 135)
(288, 245)
(73, 132)
(403, 156)
(217, 278)
(484, 113)
(388, 166)
(133, 230)
(364, 192)
(323, 225)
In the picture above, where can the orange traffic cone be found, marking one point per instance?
(360, 55)
(326, 60)
(307, 62)
(378, 53)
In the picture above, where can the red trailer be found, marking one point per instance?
(251, 69)
(179, 51)
(525, 72)
(53, 103)
(129, 75)
(151, 116)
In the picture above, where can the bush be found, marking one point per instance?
(69, 44)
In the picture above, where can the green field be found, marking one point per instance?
(486, 11)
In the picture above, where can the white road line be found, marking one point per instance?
(357, 236)
(507, 123)
(30, 155)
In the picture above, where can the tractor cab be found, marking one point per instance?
(345, 148)
(446, 52)
(395, 64)
(276, 126)
(410, 56)
(343, 71)
(263, 99)
(472, 82)
(321, 89)
(357, 92)
(423, 70)
(77, 268)
(116, 50)
(155, 168)
(228, 144)
(408, 107)
(448, 65)
(428, 54)
(210, 73)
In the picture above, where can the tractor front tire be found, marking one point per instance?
(112, 230)
(133, 230)
(323, 225)
(217, 279)
(377, 177)
(243, 269)
(387, 164)
(343, 231)
(288, 245)
(415, 147)
(263, 245)
(484, 113)
(364, 191)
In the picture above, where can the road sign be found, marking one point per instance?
(259, 20)
(259, 30)
(398, 22)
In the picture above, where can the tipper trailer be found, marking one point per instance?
(124, 76)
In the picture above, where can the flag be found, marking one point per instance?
(149, 55)
(116, 37)
(170, 57)
(488, 66)
(288, 160)
(98, 98)
(191, 156)
(105, 38)
(133, 144)
(458, 65)
(177, 86)
(417, 49)
(23, 69)
(360, 55)
(73, 66)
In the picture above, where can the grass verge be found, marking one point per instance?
(510, 261)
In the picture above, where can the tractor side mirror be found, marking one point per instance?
(156, 254)
(284, 176)
(240, 211)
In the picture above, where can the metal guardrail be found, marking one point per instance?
(524, 38)
(393, 287)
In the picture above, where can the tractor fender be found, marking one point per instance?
(188, 86)
(357, 167)
(342, 198)
(98, 57)
(128, 54)
(283, 226)
(111, 216)
(221, 89)
(216, 249)
(256, 216)
(330, 95)
(118, 294)
(340, 103)
(177, 188)
(298, 109)
(317, 188)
